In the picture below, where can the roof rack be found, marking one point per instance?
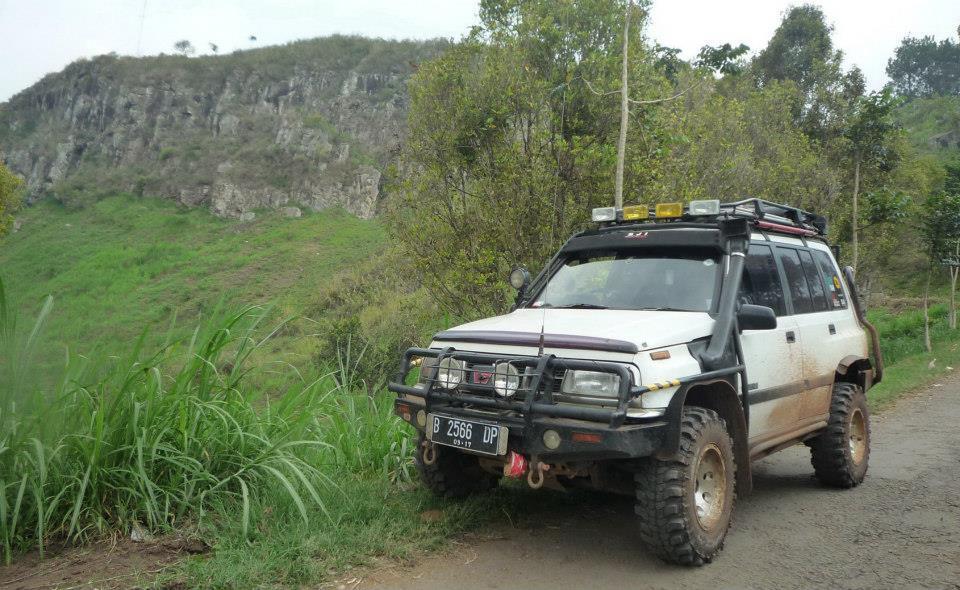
(764, 214)
(777, 217)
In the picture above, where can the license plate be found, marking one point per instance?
(479, 437)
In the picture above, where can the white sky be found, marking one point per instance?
(42, 36)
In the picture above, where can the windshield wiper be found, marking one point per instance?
(583, 306)
(661, 309)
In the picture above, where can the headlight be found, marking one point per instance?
(591, 383)
(450, 372)
(506, 379)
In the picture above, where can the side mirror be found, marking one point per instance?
(756, 317)
(520, 279)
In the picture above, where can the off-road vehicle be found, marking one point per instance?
(657, 354)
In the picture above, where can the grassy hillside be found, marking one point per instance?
(125, 264)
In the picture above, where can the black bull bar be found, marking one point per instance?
(536, 383)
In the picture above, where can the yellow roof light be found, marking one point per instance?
(634, 212)
(664, 210)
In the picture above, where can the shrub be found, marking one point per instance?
(166, 437)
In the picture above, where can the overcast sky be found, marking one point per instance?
(42, 36)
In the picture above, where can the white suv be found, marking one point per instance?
(656, 355)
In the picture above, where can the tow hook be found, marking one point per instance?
(535, 477)
(429, 453)
(515, 466)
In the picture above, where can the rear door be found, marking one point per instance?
(829, 331)
(772, 357)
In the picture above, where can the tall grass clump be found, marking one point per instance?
(172, 437)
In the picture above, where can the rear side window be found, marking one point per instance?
(761, 281)
(836, 298)
(818, 295)
(796, 281)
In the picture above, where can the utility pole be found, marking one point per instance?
(624, 112)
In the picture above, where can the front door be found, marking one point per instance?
(772, 357)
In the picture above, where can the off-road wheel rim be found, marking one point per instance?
(858, 436)
(710, 491)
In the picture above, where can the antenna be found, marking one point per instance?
(143, 13)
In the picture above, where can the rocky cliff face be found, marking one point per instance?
(310, 124)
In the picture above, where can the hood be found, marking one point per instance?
(641, 329)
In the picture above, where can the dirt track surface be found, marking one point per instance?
(899, 529)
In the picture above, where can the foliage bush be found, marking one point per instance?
(160, 438)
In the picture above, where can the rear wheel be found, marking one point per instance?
(840, 454)
(452, 474)
(685, 504)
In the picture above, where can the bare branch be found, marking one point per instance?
(669, 98)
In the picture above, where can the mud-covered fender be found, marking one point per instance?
(856, 369)
(720, 396)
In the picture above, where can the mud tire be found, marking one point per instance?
(453, 474)
(832, 453)
(665, 489)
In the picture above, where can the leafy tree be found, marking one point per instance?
(512, 136)
(940, 228)
(801, 51)
(724, 59)
(10, 187)
(923, 67)
(184, 47)
(799, 45)
(869, 134)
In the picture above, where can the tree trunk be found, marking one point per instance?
(926, 314)
(624, 113)
(954, 273)
(855, 246)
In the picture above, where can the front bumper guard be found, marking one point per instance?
(538, 375)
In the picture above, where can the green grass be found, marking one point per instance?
(907, 361)
(125, 263)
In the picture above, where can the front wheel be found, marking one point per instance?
(841, 452)
(452, 474)
(685, 504)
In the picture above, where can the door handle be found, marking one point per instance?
(791, 337)
(833, 329)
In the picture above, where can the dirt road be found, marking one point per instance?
(900, 529)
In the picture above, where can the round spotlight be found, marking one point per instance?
(551, 439)
(421, 419)
(519, 278)
(450, 373)
(506, 379)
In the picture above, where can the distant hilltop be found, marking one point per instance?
(308, 124)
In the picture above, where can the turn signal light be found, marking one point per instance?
(660, 355)
(403, 410)
(664, 210)
(586, 437)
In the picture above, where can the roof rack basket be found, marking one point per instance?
(776, 215)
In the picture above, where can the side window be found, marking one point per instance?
(817, 293)
(796, 281)
(761, 281)
(836, 298)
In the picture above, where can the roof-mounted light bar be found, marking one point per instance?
(659, 211)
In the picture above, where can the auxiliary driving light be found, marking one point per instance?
(705, 207)
(604, 214)
(506, 379)
(633, 212)
(665, 210)
(450, 372)
(421, 418)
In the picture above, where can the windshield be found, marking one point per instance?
(628, 281)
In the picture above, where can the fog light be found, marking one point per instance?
(422, 419)
(551, 439)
